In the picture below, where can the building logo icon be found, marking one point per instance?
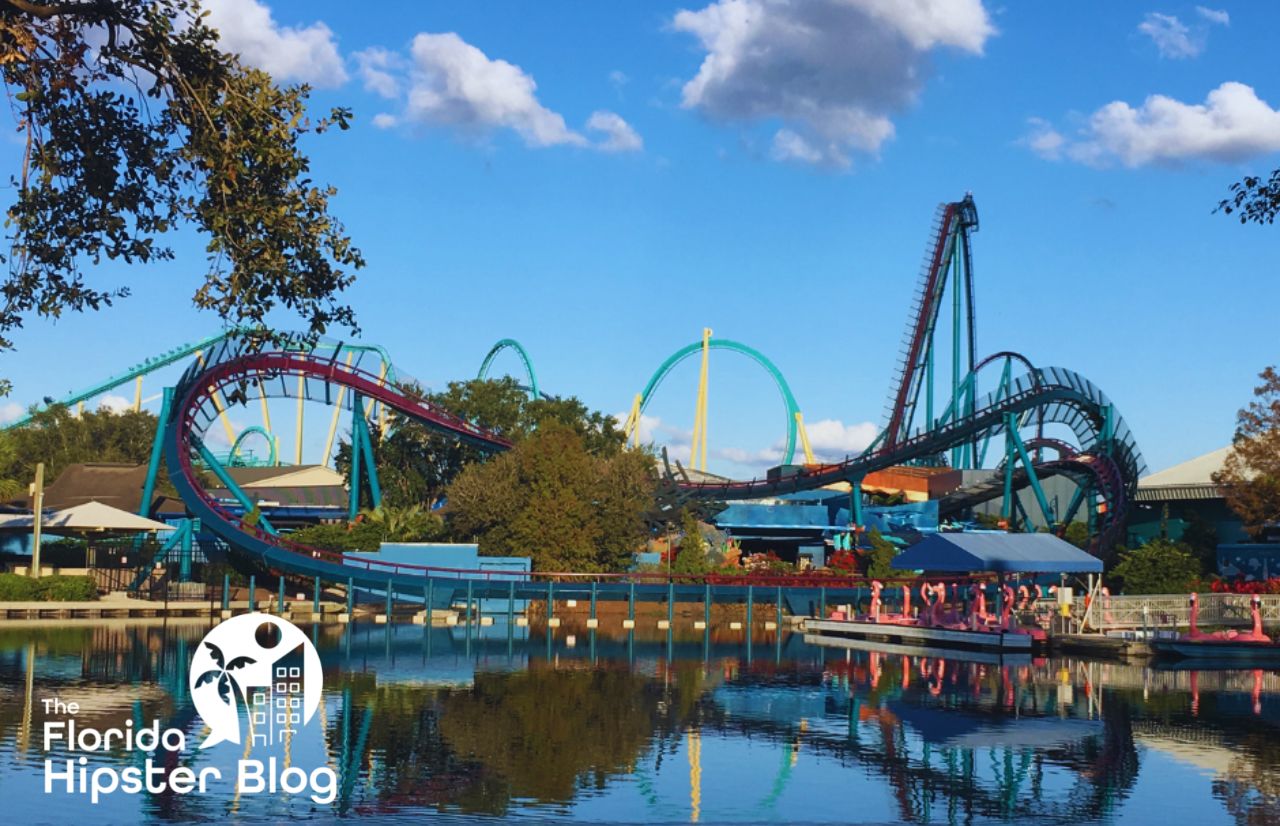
(262, 666)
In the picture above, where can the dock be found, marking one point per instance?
(919, 635)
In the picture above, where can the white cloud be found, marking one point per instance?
(454, 84)
(788, 146)
(449, 83)
(11, 411)
(1218, 16)
(308, 54)
(1172, 37)
(114, 403)
(618, 134)
(832, 440)
(619, 78)
(832, 70)
(654, 430)
(380, 70)
(1233, 124)
(1044, 140)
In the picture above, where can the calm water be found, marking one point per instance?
(418, 722)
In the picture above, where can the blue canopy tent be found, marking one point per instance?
(1002, 553)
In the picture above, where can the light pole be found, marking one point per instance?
(37, 505)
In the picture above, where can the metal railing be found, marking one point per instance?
(1164, 611)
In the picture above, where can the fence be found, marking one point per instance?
(1164, 611)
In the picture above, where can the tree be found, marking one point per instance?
(880, 558)
(1077, 533)
(412, 523)
(550, 499)
(135, 122)
(416, 464)
(1158, 567)
(692, 556)
(58, 438)
(1250, 476)
(340, 537)
(1253, 199)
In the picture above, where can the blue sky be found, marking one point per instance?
(603, 180)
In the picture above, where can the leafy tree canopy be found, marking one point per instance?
(880, 558)
(1158, 567)
(415, 464)
(58, 438)
(135, 122)
(1250, 476)
(1254, 199)
(372, 528)
(551, 499)
(692, 557)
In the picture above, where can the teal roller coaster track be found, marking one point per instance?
(965, 428)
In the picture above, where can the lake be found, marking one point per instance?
(494, 722)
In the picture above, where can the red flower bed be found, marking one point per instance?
(1240, 585)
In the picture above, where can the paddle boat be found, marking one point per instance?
(1236, 646)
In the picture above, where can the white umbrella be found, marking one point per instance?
(90, 517)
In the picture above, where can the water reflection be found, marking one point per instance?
(498, 721)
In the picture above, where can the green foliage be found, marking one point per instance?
(880, 557)
(416, 464)
(1250, 475)
(135, 123)
(58, 438)
(692, 555)
(988, 521)
(340, 537)
(1254, 199)
(1077, 533)
(15, 588)
(880, 499)
(553, 500)
(1158, 567)
(413, 523)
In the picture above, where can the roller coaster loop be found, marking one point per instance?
(512, 344)
(234, 458)
(790, 406)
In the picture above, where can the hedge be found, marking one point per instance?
(15, 588)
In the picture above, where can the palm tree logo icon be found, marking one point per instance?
(226, 680)
(244, 664)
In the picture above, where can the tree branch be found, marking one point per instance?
(47, 11)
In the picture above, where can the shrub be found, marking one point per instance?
(1158, 567)
(14, 588)
(844, 562)
(66, 589)
(340, 537)
(880, 558)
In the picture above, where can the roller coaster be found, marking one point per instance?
(1093, 447)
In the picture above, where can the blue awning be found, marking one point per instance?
(1031, 553)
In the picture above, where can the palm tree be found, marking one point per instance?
(226, 681)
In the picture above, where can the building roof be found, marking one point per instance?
(115, 484)
(998, 553)
(290, 476)
(327, 496)
(1197, 471)
(1192, 479)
